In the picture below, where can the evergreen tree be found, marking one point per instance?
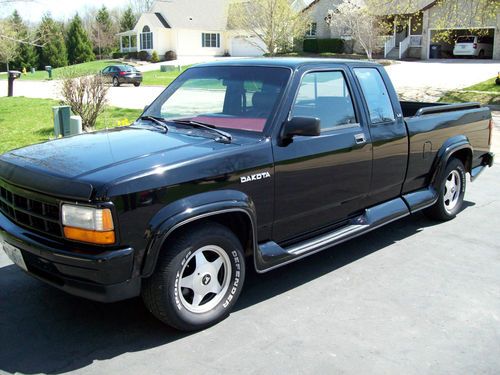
(127, 20)
(27, 56)
(78, 43)
(53, 52)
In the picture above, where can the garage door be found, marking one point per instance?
(243, 46)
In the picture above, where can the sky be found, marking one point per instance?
(59, 9)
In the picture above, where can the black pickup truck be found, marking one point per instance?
(248, 163)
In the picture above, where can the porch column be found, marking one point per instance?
(121, 43)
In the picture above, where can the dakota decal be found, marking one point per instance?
(255, 177)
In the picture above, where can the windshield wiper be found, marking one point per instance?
(158, 121)
(226, 137)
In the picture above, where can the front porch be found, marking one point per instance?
(406, 38)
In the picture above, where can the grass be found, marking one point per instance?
(58, 73)
(156, 78)
(486, 93)
(24, 121)
(488, 85)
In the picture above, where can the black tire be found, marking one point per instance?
(137, 84)
(441, 210)
(116, 82)
(162, 292)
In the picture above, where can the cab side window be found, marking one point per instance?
(325, 95)
(376, 95)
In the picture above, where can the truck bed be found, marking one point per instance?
(412, 109)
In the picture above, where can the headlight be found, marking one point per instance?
(87, 224)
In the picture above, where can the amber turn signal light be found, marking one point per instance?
(89, 236)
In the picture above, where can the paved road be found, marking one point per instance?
(414, 297)
(421, 80)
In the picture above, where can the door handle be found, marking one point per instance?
(360, 138)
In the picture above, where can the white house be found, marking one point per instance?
(189, 28)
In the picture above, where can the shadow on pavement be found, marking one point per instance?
(43, 330)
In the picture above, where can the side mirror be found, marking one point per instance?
(303, 126)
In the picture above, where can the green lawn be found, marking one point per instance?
(77, 70)
(157, 78)
(486, 92)
(488, 85)
(24, 121)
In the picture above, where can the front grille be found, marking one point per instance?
(28, 210)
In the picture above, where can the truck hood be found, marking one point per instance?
(101, 157)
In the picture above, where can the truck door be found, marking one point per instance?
(388, 134)
(322, 180)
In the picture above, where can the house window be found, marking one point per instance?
(146, 38)
(210, 40)
(311, 29)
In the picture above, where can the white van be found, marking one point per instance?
(472, 45)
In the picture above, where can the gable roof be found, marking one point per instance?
(193, 14)
(162, 20)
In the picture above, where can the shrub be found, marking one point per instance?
(323, 45)
(143, 56)
(132, 55)
(117, 55)
(154, 57)
(87, 97)
(170, 55)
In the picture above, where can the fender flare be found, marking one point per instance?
(190, 209)
(451, 146)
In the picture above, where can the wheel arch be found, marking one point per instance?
(233, 209)
(457, 147)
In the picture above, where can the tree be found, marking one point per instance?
(9, 47)
(103, 31)
(87, 97)
(353, 18)
(53, 50)
(79, 46)
(141, 6)
(127, 20)
(27, 56)
(273, 22)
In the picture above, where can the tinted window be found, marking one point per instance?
(376, 95)
(325, 95)
(465, 39)
(106, 70)
(242, 98)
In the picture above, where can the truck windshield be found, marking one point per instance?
(231, 97)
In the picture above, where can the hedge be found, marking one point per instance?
(323, 45)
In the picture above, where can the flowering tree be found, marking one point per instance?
(353, 18)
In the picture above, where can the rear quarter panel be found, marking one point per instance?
(428, 133)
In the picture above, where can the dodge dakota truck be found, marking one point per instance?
(247, 163)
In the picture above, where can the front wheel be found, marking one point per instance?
(451, 193)
(198, 278)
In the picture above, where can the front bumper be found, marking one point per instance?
(103, 276)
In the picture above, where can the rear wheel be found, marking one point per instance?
(137, 84)
(451, 193)
(116, 83)
(198, 278)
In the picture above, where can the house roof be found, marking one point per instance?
(392, 7)
(193, 14)
(162, 20)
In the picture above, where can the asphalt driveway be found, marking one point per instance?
(414, 297)
(422, 80)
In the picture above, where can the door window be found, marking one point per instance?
(325, 95)
(376, 95)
